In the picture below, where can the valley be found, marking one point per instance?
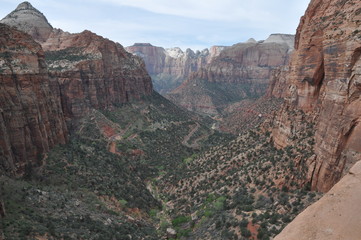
(258, 140)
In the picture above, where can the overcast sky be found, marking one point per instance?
(195, 24)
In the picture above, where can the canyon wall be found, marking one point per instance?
(61, 80)
(94, 72)
(323, 80)
(241, 71)
(170, 67)
(31, 118)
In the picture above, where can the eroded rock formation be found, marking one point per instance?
(324, 81)
(31, 119)
(94, 72)
(239, 72)
(38, 94)
(170, 67)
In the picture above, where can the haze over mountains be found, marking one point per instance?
(210, 80)
(88, 150)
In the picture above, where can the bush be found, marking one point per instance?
(180, 220)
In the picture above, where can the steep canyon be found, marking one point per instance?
(323, 80)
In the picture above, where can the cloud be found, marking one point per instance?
(168, 23)
(215, 10)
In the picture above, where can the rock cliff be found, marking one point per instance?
(324, 81)
(170, 67)
(30, 20)
(94, 72)
(239, 72)
(334, 216)
(63, 78)
(31, 119)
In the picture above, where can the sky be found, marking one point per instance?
(195, 24)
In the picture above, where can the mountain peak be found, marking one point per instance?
(280, 38)
(28, 19)
(25, 6)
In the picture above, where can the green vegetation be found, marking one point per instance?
(132, 172)
(70, 54)
(245, 180)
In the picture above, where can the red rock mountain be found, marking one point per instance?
(94, 72)
(79, 72)
(170, 67)
(324, 80)
(31, 119)
(241, 71)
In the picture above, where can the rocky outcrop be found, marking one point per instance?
(38, 94)
(93, 72)
(170, 67)
(239, 72)
(31, 119)
(334, 216)
(30, 20)
(324, 81)
(248, 61)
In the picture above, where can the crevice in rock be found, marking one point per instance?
(355, 57)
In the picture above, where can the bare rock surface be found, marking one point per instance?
(30, 20)
(323, 79)
(31, 118)
(334, 216)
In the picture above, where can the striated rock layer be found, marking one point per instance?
(241, 71)
(30, 20)
(79, 72)
(31, 119)
(324, 80)
(94, 72)
(170, 67)
(334, 216)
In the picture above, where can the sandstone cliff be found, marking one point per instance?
(31, 119)
(334, 216)
(324, 81)
(94, 72)
(170, 67)
(30, 20)
(239, 72)
(79, 72)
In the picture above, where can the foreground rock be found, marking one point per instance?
(334, 216)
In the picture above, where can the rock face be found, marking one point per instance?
(334, 216)
(170, 67)
(239, 72)
(248, 61)
(94, 72)
(79, 72)
(30, 20)
(31, 119)
(324, 80)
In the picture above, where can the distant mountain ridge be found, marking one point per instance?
(239, 72)
(170, 67)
